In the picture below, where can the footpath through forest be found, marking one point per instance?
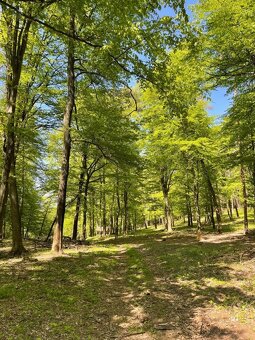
(146, 286)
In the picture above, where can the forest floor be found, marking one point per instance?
(150, 285)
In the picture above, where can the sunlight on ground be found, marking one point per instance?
(147, 286)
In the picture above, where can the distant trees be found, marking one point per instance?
(103, 58)
(127, 156)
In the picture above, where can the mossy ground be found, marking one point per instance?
(150, 285)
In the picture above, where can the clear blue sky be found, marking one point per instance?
(219, 100)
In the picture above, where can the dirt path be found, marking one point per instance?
(148, 286)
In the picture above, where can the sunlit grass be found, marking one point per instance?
(107, 282)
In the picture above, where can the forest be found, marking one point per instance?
(120, 182)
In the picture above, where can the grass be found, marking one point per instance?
(119, 288)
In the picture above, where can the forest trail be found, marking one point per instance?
(150, 285)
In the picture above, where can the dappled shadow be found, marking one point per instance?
(158, 286)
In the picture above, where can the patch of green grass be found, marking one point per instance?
(85, 295)
(138, 271)
(7, 291)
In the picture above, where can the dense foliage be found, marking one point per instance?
(114, 99)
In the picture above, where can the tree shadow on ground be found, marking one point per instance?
(152, 287)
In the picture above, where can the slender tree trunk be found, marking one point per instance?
(214, 197)
(125, 200)
(196, 197)
(245, 203)
(165, 185)
(118, 209)
(85, 209)
(197, 207)
(78, 201)
(230, 209)
(17, 244)
(92, 219)
(189, 211)
(14, 52)
(145, 223)
(104, 221)
(135, 221)
(155, 222)
(235, 205)
(112, 221)
(58, 230)
(44, 219)
(168, 222)
(212, 216)
(3, 203)
(253, 176)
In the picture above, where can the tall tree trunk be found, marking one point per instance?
(104, 220)
(189, 211)
(78, 200)
(235, 205)
(44, 218)
(168, 222)
(196, 197)
(197, 207)
(85, 208)
(125, 206)
(213, 195)
(155, 222)
(58, 230)
(245, 203)
(17, 244)
(92, 214)
(212, 215)
(118, 210)
(230, 209)
(165, 185)
(17, 35)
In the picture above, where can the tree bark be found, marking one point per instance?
(104, 220)
(125, 206)
(230, 209)
(235, 205)
(85, 208)
(17, 244)
(58, 230)
(212, 216)
(78, 201)
(17, 35)
(118, 210)
(196, 197)
(245, 203)
(213, 195)
(166, 176)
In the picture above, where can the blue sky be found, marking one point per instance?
(219, 99)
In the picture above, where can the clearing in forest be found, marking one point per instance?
(150, 285)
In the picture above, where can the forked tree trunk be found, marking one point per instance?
(58, 230)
